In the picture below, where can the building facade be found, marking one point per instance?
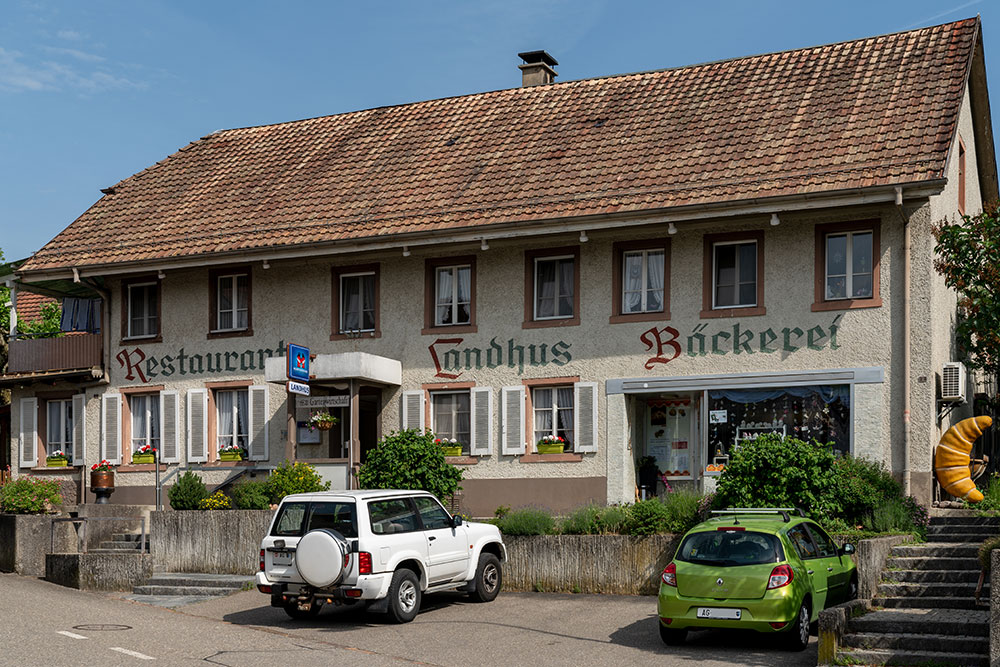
(637, 265)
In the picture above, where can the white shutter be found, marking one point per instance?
(29, 432)
(79, 429)
(585, 416)
(481, 406)
(412, 412)
(170, 427)
(258, 422)
(197, 425)
(512, 417)
(111, 428)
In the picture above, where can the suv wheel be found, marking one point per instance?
(489, 578)
(672, 636)
(404, 596)
(798, 634)
(293, 611)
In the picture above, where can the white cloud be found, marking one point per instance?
(75, 53)
(71, 35)
(83, 72)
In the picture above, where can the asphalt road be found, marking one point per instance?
(242, 629)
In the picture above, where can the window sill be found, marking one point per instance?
(140, 467)
(54, 470)
(363, 335)
(141, 339)
(565, 457)
(846, 304)
(550, 324)
(640, 317)
(456, 329)
(755, 311)
(229, 334)
(461, 460)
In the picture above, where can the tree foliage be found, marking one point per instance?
(968, 256)
(410, 460)
(49, 325)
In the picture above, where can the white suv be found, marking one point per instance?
(385, 548)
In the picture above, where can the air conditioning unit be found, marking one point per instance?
(953, 382)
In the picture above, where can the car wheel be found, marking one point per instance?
(404, 596)
(489, 578)
(297, 614)
(672, 636)
(798, 635)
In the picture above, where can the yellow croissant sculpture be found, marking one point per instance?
(952, 458)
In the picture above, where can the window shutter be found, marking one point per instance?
(170, 427)
(29, 432)
(258, 422)
(79, 429)
(585, 416)
(481, 405)
(512, 408)
(197, 425)
(412, 413)
(111, 428)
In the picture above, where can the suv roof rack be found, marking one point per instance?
(783, 511)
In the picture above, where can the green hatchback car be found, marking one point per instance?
(769, 570)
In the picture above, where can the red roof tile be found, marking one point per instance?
(29, 306)
(872, 112)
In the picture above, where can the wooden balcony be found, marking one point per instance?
(64, 353)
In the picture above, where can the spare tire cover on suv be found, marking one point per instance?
(319, 557)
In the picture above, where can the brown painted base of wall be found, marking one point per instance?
(132, 495)
(481, 497)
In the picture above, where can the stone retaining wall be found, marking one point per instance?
(99, 572)
(24, 541)
(995, 608)
(221, 542)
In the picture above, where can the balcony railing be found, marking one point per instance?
(55, 354)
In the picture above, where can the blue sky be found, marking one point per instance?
(92, 92)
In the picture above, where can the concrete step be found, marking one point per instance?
(129, 537)
(200, 580)
(183, 590)
(928, 603)
(930, 576)
(964, 520)
(911, 590)
(877, 656)
(120, 546)
(937, 550)
(920, 642)
(966, 563)
(917, 621)
(964, 538)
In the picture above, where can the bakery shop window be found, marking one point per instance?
(671, 425)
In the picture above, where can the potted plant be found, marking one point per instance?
(145, 454)
(231, 453)
(324, 421)
(550, 444)
(57, 459)
(450, 446)
(648, 472)
(102, 481)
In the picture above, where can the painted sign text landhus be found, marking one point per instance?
(138, 366)
(447, 358)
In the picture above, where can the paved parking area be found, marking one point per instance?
(516, 629)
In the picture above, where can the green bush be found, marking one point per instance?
(861, 486)
(682, 510)
(410, 459)
(289, 478)
(649, 517)
(985, 550)
(991, 494)
(581, 521)
(527, 521)
(613, 519)
(250, 496)
(29, 495)
(890, 516)
(188, 492)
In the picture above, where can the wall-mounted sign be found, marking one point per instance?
(718, 416)
(323, 402)
(298, 362)
(297, 388)
(450, 360)
(137, 365)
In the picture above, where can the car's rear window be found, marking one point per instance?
(298, 518)
(730, 548)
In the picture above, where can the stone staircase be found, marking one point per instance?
(174, 589)
(926, 613)
(123, 542)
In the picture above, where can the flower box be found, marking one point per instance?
(450, 450)
(230, 456)
(56, 462)
(549, 448)
(144, 458)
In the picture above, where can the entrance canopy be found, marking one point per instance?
(343, 366)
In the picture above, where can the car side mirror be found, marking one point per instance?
(456, 520)
(847, 549)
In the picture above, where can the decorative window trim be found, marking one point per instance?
(820, 303)
(530, 257)
(337, 272)
(42, 422)
(213, 302)
(708, 275)
(430, 290)
(125, 305)
(125, 425)
(212, 415)
(618, 251)
(530, 456)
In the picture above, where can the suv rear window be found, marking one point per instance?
(298, 518)
(730, 548)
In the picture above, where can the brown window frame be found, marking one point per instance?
(125, 305)
(529, 287)
(336, 273)
(530, 455)
(212, 425)
(430, 289)
(708, 275)
(126, 424)
(961, 176)
(618, 252)
(213, 301)
(42, 426)
(820, 303)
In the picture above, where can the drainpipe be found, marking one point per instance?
(906, 340)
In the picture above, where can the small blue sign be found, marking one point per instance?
(298, 362)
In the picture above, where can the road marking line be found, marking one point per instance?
(72, 635)
(134, 654)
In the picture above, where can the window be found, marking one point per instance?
(553, 413)
(59, 427)
(847, 266)
(392, 516)
(554, 288)
(292, 521)
(432, 515)
(143, 310)
(453, 295)
(642, 281)
(450, 416)
(733, 275)
(803, 544)
(145, 409)
(355, 302)
(827, 549)
(230, 302)
(232, 413)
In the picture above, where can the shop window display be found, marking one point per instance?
(817, 412)
(669, 434)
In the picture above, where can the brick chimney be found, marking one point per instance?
(537, 68)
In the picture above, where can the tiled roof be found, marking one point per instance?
(29, 306)
(871, 112)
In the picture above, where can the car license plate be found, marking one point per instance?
(716, 612)
(281, 557)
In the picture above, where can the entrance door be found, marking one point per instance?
(672, 434)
